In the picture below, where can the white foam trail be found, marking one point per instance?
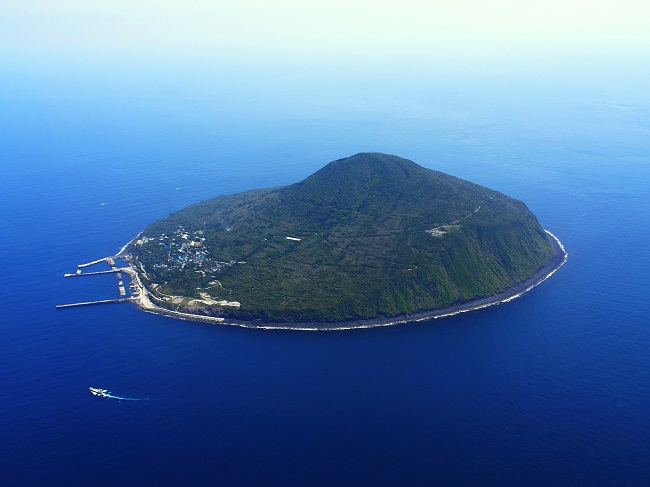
(107, 394)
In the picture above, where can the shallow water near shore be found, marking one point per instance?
(553, 387)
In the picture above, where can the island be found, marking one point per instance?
(369, 240)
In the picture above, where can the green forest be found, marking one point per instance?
(360, 245)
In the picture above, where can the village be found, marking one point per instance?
(181, 247)
(184, 248)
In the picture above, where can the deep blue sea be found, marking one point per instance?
(550, 389)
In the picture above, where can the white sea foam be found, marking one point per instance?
(123, 249)
(107, 394)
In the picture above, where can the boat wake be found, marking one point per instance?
(107, 394)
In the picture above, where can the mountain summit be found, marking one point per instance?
(368, 237)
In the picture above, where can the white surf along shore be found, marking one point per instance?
(141, 298)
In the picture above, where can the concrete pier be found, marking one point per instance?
(77, 274)
(94, 262)
(88, 303)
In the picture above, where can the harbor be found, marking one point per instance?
(110, 261)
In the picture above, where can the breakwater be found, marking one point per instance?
(110, 261)
(88, 303)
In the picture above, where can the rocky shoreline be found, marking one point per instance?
(144, 303)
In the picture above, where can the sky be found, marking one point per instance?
(148, 31)
(319, 57)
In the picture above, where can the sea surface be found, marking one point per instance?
(550, 389)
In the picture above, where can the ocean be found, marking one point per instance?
(552, 388)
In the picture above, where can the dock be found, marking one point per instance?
(76, 274)
(122, 289)
(88, 303)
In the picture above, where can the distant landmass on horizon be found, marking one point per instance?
(367, 240)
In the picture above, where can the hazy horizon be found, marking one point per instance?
(204, 49)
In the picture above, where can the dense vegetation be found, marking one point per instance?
(364, 250)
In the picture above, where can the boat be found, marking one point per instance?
(99, 392)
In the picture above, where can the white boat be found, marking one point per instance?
(98, 392)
